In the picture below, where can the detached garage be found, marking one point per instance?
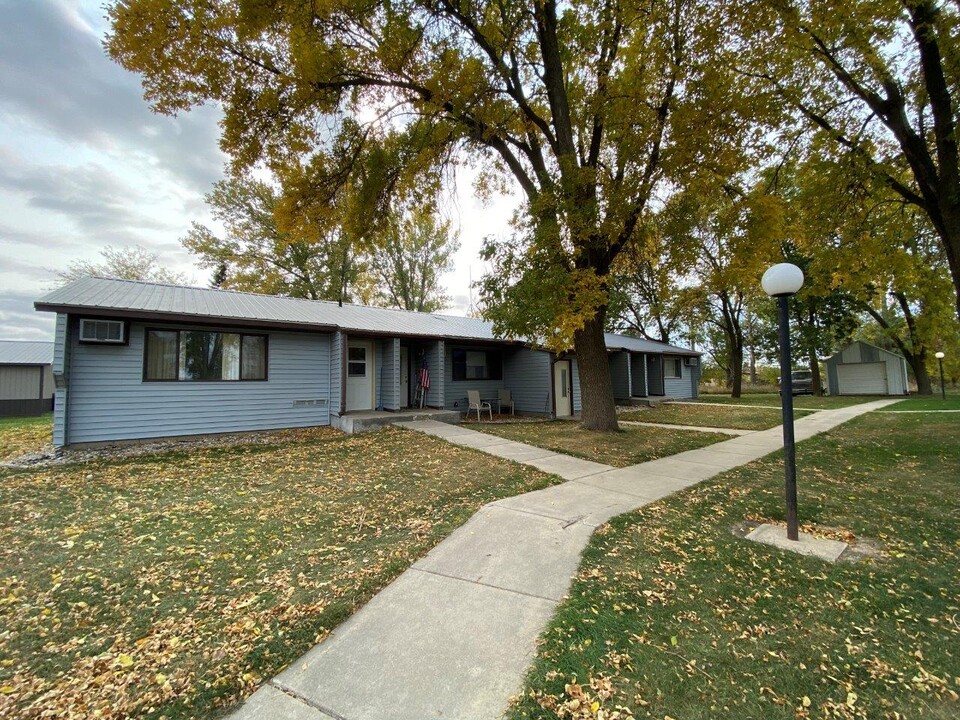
(862, 369)
(26, 378)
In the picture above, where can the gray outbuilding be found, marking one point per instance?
(863, 369)
(26, 378)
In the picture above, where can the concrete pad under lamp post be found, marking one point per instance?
(943, 388)
(780, 282)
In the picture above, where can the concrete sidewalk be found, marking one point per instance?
(452, 637)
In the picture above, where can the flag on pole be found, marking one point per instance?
(423, 377)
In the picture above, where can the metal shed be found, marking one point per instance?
(26, 378)
(863, 369)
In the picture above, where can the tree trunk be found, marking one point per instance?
(753, 365)
(817, 381)
(918, 363)
(736, 369)
(598, 410)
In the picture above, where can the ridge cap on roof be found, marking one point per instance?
(269, 295)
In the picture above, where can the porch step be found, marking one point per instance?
(374, 420)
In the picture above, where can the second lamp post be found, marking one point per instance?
(781, 281)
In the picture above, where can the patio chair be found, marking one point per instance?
(475, 403)
(504, 399)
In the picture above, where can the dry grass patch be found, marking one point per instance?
(720, 416)
(169, 586)
(629, 446)
(19, 436)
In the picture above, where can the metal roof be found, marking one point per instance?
(131, 298)
(635, 344)
(25, 352)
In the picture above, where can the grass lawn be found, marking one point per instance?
(936, 402)
(704, 416)
(169, 586)
(630, 446)
(21, 435)
(674, 616)
(810, 402)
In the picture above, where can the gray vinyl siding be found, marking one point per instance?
(456, 390)
(109, 399)
(527, 375)
(436, 364)
(61, 358)
(336, 372)
(388, 364)
(620, 375)
(678, 387)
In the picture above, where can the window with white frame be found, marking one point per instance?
(672, 368)
(109, 332)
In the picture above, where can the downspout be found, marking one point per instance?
(343, 374)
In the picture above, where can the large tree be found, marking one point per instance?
(257, 255)
(880, 81)
(130, 262)
(584, 107)
(409, 263)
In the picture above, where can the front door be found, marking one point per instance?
(360, 374)
(404, 377)
(561, 388)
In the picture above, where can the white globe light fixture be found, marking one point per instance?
(780, 282)
(782, 279)
(939, 356)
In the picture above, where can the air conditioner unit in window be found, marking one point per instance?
(691, 361)
(110, 332)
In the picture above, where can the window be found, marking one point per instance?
(672, 368)
(477, 365)
(110, 332)
(202, 355)
(357, 361)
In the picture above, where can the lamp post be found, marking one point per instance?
(781, 281)
(943, 388)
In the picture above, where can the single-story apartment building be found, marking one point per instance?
(136, 360)
(26, 378)
(863, 369)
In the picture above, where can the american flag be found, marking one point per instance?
(423, 378)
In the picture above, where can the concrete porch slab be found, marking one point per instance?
(806, 544)
(529, 554)
(426, 647)
(366, 420)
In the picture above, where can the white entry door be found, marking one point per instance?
(360, 374)
(404, 377)
(561, 388)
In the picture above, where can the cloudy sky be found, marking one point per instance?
(84, 164)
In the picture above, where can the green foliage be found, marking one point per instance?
(124, 263)
(672, 615)
(409, 259)
(586, 108)
(879, 84)
(309, 261)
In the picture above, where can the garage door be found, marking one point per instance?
(862, 379)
